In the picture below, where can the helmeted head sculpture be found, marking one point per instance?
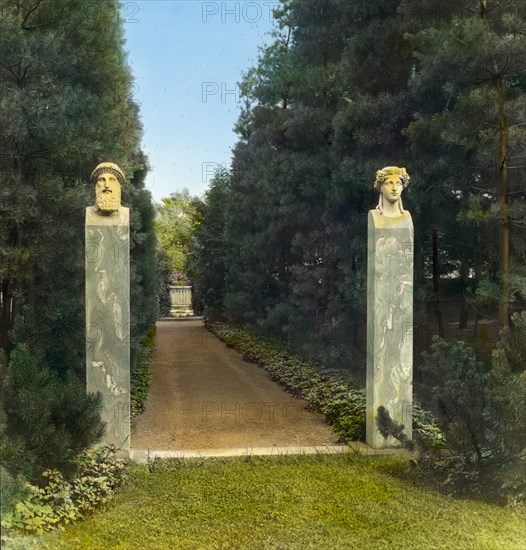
(390, 182)
(108, 179)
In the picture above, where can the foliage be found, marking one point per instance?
(48, 421)
(142, 375)
(343, 89)
(468, 87)
(476, 441)
(507, 396)
(163, 276)
(66, 105)
(426, 431)
(144, 277)
(178, 217)
(61, 119)
(61, 502)
(292, 502)
(454, 388)
(427, 435)
(390, 428)
(326, 391)
(209, 258)
(12, 489)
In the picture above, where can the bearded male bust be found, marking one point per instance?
(108, 179)
(107, 299)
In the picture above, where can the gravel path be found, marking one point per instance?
(204, 396)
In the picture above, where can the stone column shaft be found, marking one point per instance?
(108, 320)
(389, 323)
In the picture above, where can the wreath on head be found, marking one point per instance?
(384, 173)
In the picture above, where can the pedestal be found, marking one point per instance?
(181, 301)
(108, 320)
(389, 323)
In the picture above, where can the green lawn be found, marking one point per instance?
(322, 502)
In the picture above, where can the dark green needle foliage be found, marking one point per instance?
(65, 105)
(49, 421)
(342, 90)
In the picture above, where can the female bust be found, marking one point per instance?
(390, 182)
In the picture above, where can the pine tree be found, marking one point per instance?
(468, 91)
(48, 421)
(209, 260)
(67, 106)
(344, 89)
(62, 119)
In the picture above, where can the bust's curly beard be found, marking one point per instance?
(107, 202)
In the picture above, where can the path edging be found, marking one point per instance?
(143, 456)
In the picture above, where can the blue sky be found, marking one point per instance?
(187, 57)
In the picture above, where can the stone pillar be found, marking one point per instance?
(181, 301)
(389, 323)
(108, 320)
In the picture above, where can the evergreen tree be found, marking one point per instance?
(144, 277)
(65, 107)
(344, 89)
(209, 260)
(467, 89)
(48, 421)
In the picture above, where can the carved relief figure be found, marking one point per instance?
(108, 179)
(390, 182)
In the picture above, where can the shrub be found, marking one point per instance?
(507, 398)
(454, 387)
(142, 375)
(478, 443)
(328, 393)
(61, 502)
(49, 421)
(12, 489)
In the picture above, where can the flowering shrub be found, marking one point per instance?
(177, 278)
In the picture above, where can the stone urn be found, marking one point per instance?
(181, 301)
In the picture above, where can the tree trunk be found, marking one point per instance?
(329, 313)
(436, 285)
(504, 216)
(463, 321)
(504, 309)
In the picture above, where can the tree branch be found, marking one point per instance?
(28, 14)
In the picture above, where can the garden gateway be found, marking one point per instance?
(389, 313)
